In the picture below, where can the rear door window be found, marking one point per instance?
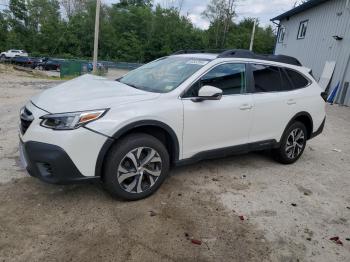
(298, 80)
(267, 78)
(286, 82)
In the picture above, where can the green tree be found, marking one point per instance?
(16, 18)
(220, 13)
(44, 25)
(127, 3)
(3, 32)
(18, 9)
(131, 31)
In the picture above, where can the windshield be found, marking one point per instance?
(163, 75)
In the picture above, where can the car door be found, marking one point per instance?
(11, 53)
(275, 102)
(217, 124)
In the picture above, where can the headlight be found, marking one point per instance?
(69, 121)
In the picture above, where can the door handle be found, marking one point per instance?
(245, 107)
(291, 102)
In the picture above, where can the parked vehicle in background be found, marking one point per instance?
(25, 61)
(48, 64)
(12, 53)
(173, 111)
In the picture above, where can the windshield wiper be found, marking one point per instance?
(143, 88)
(131, 85)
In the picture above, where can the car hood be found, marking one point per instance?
(89, 92)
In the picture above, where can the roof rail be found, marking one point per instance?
(198, 51)
(242, 53)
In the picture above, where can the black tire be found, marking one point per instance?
(117, 159)
(288, 151)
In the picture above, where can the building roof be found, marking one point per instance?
(301, 8)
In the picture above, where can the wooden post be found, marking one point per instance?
(97, 25)
(252, 37)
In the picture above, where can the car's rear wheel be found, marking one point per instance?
(136, 166)
(2, 57)
(292, 144)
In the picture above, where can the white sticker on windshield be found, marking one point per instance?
(197, 62)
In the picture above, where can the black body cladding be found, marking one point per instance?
(51, 164)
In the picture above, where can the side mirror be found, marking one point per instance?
(208, 93)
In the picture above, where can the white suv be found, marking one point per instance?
(172, 111)
(13, 53)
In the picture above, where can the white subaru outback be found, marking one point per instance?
(175, 110)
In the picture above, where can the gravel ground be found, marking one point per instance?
(290, 212)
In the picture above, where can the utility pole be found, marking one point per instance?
(252, 37)
(97, 25)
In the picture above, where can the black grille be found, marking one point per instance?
(26, 119)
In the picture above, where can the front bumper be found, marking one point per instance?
(80, 146)
(50, 163)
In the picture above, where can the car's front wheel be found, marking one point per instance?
(136, 166)
(292, 144)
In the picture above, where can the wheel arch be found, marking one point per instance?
(305, 118)
(158, 129)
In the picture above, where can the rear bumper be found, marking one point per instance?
(50, 163)
(319, 130)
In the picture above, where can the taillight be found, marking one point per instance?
(324, 95)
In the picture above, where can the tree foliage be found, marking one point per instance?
(220, 14)
(131, 30)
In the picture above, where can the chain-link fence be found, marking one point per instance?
(69, 67)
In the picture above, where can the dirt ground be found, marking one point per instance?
(290, 212)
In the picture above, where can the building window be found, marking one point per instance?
(302, 29)
(281, 34)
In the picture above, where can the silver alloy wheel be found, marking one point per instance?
(295, 143)
(139, 169)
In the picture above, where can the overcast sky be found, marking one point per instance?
(262, 9)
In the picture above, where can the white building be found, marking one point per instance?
(315, 32)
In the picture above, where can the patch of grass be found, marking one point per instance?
(63, 78)
(5, 68)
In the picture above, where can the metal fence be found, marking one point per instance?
(76, 67)
(70, 68)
